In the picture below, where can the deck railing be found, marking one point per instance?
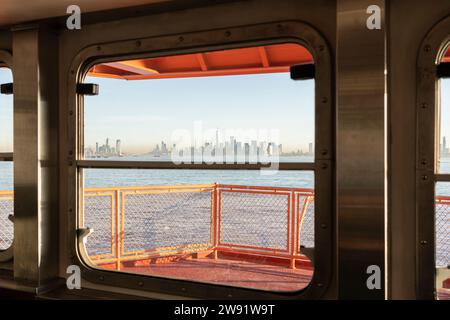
(138, 223)
(132, 223)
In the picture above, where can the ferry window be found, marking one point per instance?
(442, 205)
(6, 164)
(200, 167)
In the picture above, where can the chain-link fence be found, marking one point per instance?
(305, 207)
(6, 225)
(254, 219)
(442, 231)
(266, 220)
(167, 220)
(149, 222)
(100, 211)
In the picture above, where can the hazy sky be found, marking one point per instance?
(6, 114)
(445, 110)
(144, 112)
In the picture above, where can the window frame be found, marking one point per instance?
(6, 61)
(431, 52)
(202, 41)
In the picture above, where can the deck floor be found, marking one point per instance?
(443, 294)
(230, 272)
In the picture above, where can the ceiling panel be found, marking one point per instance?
(20, 11)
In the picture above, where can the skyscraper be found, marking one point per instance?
(118, 147)
(310, 150)
(444, 146)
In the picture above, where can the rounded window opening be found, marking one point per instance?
(201, 167)
(442, 205)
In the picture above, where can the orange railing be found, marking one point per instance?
(6, 226)
(138, 223)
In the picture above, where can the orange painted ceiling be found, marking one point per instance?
(254, 60)
(16, 12)
(447, 56)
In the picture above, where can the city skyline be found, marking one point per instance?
(154, 109)
(232, 143)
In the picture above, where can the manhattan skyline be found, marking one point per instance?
(155, 109)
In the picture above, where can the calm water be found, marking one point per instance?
(131, 177)
(299, 179)
(148, 177)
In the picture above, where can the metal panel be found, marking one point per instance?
(361, 167)
(34, 155)
(187, 43)
(409, 21)
(430, 52)
(6, 255)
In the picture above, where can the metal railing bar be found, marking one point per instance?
(102, 164)
(6, 156)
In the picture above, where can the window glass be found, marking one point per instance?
(442, 204)
(246, 228)
(6, 167)
(444, 146)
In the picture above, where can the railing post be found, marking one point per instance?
(292, 219)
(216, 213)
(118, 236)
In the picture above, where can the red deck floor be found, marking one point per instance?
(230, 272)
(443, 294)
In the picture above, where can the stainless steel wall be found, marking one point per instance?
(375, 133)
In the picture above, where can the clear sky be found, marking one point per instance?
(6, 114)
(445, 110)
(143, 113)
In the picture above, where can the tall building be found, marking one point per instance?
(118, 147)
(217, 138)
(310, 150)
(444, 146)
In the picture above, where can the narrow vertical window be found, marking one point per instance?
(442, 206)
(6, 157)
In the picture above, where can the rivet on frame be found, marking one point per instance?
(427, 48)
(138, 43)
(180, 39)
(227, 33)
